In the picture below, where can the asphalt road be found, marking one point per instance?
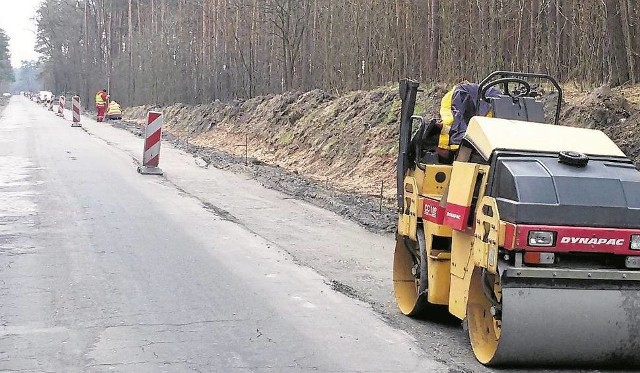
(103, 269)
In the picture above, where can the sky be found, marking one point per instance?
(16, 20)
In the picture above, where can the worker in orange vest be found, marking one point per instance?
(101, 103)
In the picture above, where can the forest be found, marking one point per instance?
(198, 51)
(6, 72)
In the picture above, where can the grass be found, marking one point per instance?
(384, 151)
(391, 114)
(286, 138)
(419, 109)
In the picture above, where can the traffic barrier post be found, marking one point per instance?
(75, 106)
(152, 137)
(61, 102)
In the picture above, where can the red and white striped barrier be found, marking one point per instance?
(152, 136)
(75, 107)
(61, 102)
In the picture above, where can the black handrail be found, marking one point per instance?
(408, 92)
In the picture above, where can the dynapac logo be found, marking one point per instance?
(453, 216)
(593, 241)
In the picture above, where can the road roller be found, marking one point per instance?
(528, 231)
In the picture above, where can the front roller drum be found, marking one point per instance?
(564, 324)
(410, 276)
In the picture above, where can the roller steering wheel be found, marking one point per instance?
(524, 89)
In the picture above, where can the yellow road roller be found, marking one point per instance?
(527, 231)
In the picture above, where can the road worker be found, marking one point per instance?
(114, 111)
(456, 109)
(101, 103)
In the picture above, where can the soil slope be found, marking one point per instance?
(349, 143)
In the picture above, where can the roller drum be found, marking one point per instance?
(559, 322)
(569, 326)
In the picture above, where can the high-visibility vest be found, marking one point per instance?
(114, 108)
(99, 99)
(447, 120)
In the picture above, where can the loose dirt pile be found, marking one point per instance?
(615, 112)
(340, 152)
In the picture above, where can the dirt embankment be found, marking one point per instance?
(348, 142)
(338, 151)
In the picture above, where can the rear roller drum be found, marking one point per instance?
(410, 275)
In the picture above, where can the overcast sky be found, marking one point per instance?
(16, 20)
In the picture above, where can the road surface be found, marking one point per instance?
(103, 269)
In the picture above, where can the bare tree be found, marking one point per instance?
(618, 64)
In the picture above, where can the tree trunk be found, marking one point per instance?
(434, 44)
(617, 57)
